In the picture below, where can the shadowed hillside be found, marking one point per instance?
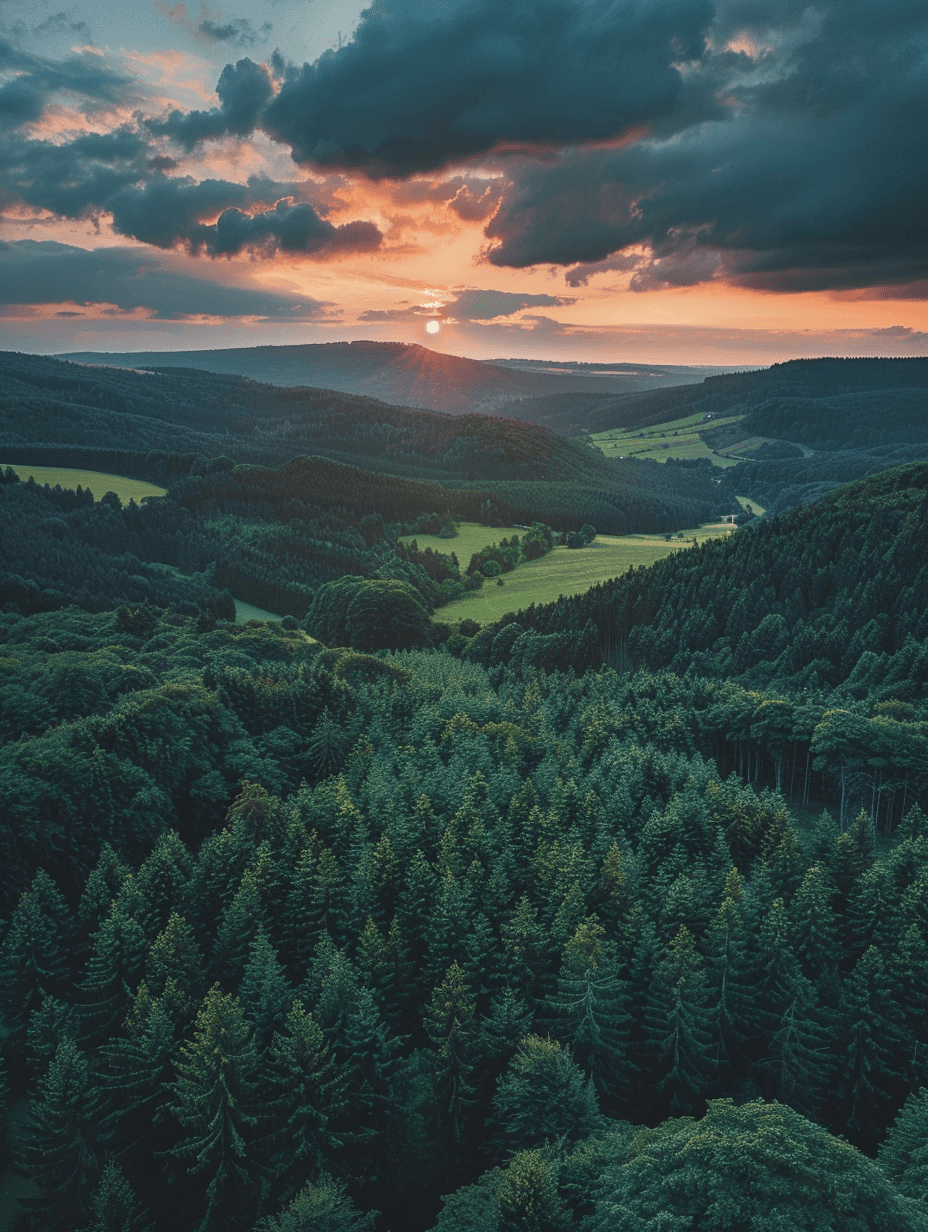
(408, 374)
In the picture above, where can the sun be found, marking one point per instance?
(432, 327)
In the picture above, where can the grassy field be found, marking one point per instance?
(471, 537)
(97, 481)
(565, 571)
(678, 438)
(248, 611)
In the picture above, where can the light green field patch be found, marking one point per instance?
(248, 611)
(98, 482)
(689, 423)
(746, 447)
(471, 537)
(677, 438)
(567, 571)
(751, 505)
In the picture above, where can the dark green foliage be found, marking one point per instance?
(60, 1143)
(113, 1206)
(324, 1207)
(904, 1154)
(544, 1096)
(214, 1100)
(755, 1167)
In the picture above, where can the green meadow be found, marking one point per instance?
(565, 571)
(98, 482)
(677, 438)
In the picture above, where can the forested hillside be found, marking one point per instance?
(485, 930)
(462, 932)
(167, 424)
(816, 622)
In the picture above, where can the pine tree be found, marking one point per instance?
(113, 971)
(904, 1154)
(587, 1012)
(58, 1148)
(265, 991)
(679, 1028)
(305, 1095)
(214, 1096)
(872, 1069)
(449, 1024)
(113, 1205)
(34, 955)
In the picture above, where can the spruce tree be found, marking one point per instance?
(305, 1095)
(679, 1029)
(904, 1154)
(113, 971)
(58, 1148)
(528, 1195)
(214, 1104)
(449, 1024)
(587, 1012)
(175, 958)
(35, 952)
(265, 992)
(872, 1068)
(137, 1067)
(320, 1207)
(113, 1205)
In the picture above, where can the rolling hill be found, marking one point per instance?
(408, 374)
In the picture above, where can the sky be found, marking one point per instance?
(734, 182)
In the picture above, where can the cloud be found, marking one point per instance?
(36, 272)
(815, 178)
(471, 304)
(477, 305)
(33, 80)
(243, 89)
(422, 85)
(124, 173)
(580, 275)
(64, 22)
(238, 32)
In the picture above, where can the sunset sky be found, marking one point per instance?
(681, 181)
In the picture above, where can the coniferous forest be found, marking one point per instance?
(612, 915)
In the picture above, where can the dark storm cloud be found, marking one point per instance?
(38, 272)
(817, 178)
(119, 173)
(243, 88)
(424, 85)
(33, 80)
(286, 228)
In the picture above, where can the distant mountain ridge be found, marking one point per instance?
(408, 374)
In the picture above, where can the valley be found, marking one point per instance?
(445, 852)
